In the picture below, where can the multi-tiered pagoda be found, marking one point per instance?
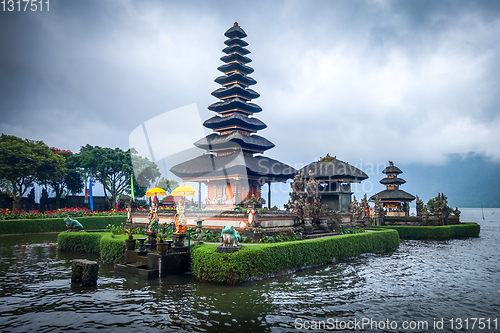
(230, 168)
(395, 201)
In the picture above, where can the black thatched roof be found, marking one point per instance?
(235, 48)
(333, 170)
(236, 163)
(396, 195)
(235, 77)
(235, 90)
(392, 181)
(391, 169)
(235, 41)
(235, 31)
(236, 57)
(234, 120)
(234, 103)
(235, 66)
(235, 139)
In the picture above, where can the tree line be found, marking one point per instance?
(24, 163)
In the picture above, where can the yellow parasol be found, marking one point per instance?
(183, 191)
(155, 191)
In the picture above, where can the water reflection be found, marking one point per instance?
(418, 281)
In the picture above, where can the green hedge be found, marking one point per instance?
(113, 247)
(263, 259)
(110, 247)
(435, 232)
(79, 242)
(53, 225)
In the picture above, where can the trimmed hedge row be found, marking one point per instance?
(110, 247)
(53, 225)
(264, 259)
(461, 230)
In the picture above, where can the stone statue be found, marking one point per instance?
(420, 206)
(457, 212)
(230, 236)
(230, 240)
(73, 225)
(153, 218)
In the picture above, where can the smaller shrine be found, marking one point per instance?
(335, 178)
(396, 202)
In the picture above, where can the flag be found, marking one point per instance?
(86, 198)
(91, 200)
(132, 187)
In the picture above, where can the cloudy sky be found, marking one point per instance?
(416, 82)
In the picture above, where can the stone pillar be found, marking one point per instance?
(199, 230)
(84, 271)
(269, 195)
(199, 195)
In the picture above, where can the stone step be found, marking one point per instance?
(320, 235)
(320, 231)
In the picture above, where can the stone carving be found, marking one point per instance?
(441, 209)
(230, 240)
(199, 230)
(327, 158)
(379, 211)
(153, 218)
(420, 206)
(180, 220)
(305, 200)
(356, 209)
(73, 225)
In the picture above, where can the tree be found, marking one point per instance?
(68, 179)
(167, 185)
(23, 162)
(113, 169)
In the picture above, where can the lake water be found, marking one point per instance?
(420, 282)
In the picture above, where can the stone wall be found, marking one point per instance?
(419, 221)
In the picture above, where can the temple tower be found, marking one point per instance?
(395, 201)
(230, 167)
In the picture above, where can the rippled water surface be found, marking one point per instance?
(420, 281)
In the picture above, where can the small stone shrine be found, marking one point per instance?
(396, 202)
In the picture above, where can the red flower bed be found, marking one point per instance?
(6, 214)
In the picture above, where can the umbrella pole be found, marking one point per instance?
(199, 195)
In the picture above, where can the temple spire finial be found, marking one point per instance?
(235, 24)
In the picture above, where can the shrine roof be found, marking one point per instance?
(392, 169)
(234, 103)
(235, 90)
(209, 165)
(388, 195)
(333, 170)
(235, 77)
(235, 31)
(235, 139)
(234, 119)
(392, 181)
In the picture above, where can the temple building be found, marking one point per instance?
(395, 201)
(232, 167)
(335, 178)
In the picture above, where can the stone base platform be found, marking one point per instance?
(153, 265)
